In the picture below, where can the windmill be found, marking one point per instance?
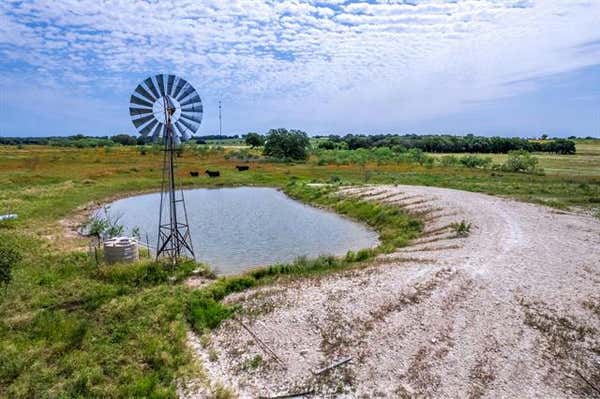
(167, 108)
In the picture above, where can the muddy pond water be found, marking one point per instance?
(234, 229)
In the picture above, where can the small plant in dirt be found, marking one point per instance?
(461, 229)
(221, 392)
(253, 363)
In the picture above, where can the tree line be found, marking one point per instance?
(448, 144)
(293, 139)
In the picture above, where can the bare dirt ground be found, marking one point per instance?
(511, 310)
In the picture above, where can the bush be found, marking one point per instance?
(254, 140)
(327, 145)
(473, 161)
(9, 258)
(520, 161)
(241, 155)
(284, 144)
(449, 160)
(124, 139)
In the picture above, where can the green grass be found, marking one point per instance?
(71, 329)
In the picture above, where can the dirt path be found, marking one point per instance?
(512, 310)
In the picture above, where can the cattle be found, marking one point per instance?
(194, 174)
(212, 173)
(242, 168)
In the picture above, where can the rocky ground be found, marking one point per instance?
(512, 309)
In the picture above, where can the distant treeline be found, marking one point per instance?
(81, 141)
(449, 144)
(427, 143)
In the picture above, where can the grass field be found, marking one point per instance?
(69, 328)
(583, 163)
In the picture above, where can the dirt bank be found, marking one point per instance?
(511, 310)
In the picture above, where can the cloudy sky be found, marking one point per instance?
(492, 67)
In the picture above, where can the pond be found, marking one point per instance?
(235, 229)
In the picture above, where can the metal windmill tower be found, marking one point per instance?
(167, 108)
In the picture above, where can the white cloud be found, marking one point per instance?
(319, 63)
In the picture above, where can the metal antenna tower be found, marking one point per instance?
(168, 107)
(220, 120)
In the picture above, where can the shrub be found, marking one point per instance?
(449, 160)
(327, 145)
(520, 161)
(242, 155)
(106, 226)
(124, 139)
(254, 140)
(473, 161)
(9, 258)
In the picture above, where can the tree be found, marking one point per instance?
(284, 144)
(9, 257)
(254, 140)
(124, 139)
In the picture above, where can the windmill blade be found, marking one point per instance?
(193, 108)
(192, 100)
(189, 90)
(185, 136)
(139, 122)
(161, 84)
(189, 125)
(180, 84)
(176, 130)
(139, 111)
(170, 81)
(180, 131)
(157, 131)
(192, 117)
(144, 93)
(148, 128)
(180, 127)
(152, 87)
(139, 101)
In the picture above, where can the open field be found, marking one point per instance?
(122, 331)
(583, 163)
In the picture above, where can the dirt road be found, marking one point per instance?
(511, 310)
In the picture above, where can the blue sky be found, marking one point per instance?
(491, 67)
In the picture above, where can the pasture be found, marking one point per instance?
(120, 331)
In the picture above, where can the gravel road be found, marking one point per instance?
(511, 310)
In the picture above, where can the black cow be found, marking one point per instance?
(194, 174)
(242, 168)
(212, 173)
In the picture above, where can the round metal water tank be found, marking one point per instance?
(121, 249)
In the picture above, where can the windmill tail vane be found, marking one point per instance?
(167, 108)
